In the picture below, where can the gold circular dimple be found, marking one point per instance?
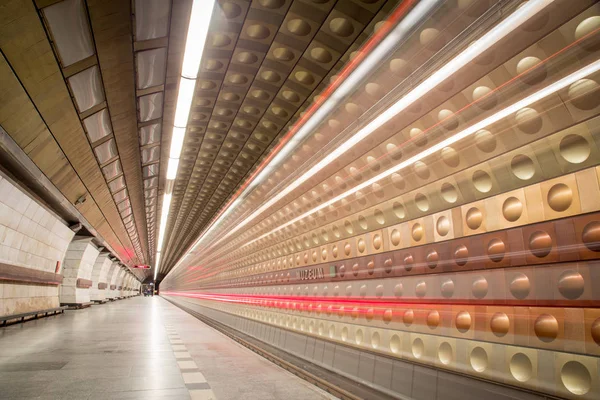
(245, 57)
(324, 254)
(482, 181)
(432, 259)
(595, 331)
(334, 251)
(560, 197)
(421, 170)
(443, 225)
(421, 289)
(417, 232)
(584, 94)
(576, 378)
(395, 237)
(500, 324)
(398, 289)
(571, 284)
(422, 202)
(461, 255)
(409, 317)
(479, 288)
(321, 55)
(397, 66)
(540, 243)
(586, 27)
(474, 218)
(298, 27)
(463, 321)
(512, 209)
(213, 65)
(354, 109)
(448, 119)
(591, 236)
(531, 74)
(355, 269)
(341, 27)
(496, 249)
(399, 209)
(230, 97)
(485, 98)
(428, 38)
(270, 76)
(546, 328)
(528, 120)
(522, 167)
(304, 77)
(231, 10)
(361, 245)
(387, 265)
(273, 4)
(387, 316)
(408, 261)
(520, 286)
(451, 157)
(347, 249)
(447, 288)
(362, 222)
(258, 31)
(520, 367)
(379, 217)
(373, 89)
(220, 40)
(207, 85)
(485, 141)
(290, 96)
(574, 149)
(449, 193)
(417, 136)
(371, 267)
(433, 319)
(377, 241)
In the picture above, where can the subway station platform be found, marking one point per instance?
(140, 348)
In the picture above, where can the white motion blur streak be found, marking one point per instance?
(539, 95)
(512, 22)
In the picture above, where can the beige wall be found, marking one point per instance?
(32, 237)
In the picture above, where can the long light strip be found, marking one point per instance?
(512, 22)
(373, 59)
(194, 47)
(537, 96)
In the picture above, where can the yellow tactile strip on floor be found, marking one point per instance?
(194, 380)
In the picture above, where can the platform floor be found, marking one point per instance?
(139, 348)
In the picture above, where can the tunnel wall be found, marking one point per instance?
(32, 241)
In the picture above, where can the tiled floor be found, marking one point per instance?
(140, 348)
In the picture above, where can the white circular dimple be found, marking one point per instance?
(520, 367)
(445, 353)
(574, 149)
(478, 359)
(418, 348)
(375, 340)
(576, 378)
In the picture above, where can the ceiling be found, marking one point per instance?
(92, 88)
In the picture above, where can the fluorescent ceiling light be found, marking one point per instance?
(172, 168)
(194, 47)
(512, 22)
(177, 142)
(537, 96)
(185, 95)
(196, 37)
